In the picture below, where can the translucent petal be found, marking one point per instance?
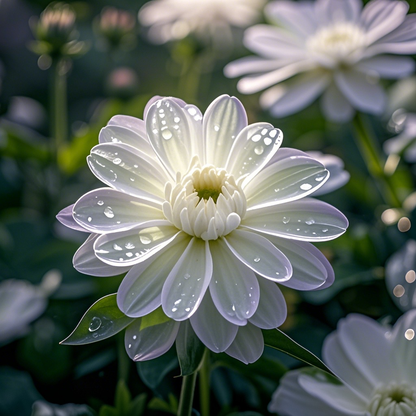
(234, 288)
(120, 134)
(85, 261)
(311, 270)
(211, 328)
(129, 170)
(307, 220)
(390, 67)
(133, 246)
(106, 210)
(187, 282)
(151, 341)
(252, 64)
(132, 123)
(65, 218)
(248, 345)
(170, 135)
(140, 291)
(335, 106)
(287, 180)
(224, 119)
(272, 310)
(253, 148)
(329, 12)
(260, 255)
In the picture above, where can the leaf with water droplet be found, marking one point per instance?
(102, 320)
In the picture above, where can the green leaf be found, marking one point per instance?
(279, 340)
(138, 405)
(189, 348)
(156, 317)
(108, 411)
(102, 320)
(122, 399)
(159, 404)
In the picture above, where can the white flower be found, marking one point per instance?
(401, 276)
(330, 47)
(405, 142)
(375, 363)
(176, 19)
(205, 215)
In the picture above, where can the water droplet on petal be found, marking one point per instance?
(267, 141)
(89, 219)
(167, 134)
(285, 220)
(256, 138)
(216, 128)
(306, 186)
(129, 246)
(258, 150)
(95, 324)
(186, 276)
(108, 212)
(117, 161)
(310, 221)
(117, 247)
(100, 203)
(145, 239)
(257, 259)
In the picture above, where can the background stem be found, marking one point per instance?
(204, 383)
(187, 395)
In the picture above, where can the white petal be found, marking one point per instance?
(298, 17)
(224, 119)
(149, 342)
(253, 148)
(133, 136)
(307, 220)
(272, 310)
(311, 270)
(252, 64)
(294, 95)
(390, 67)
(381, 17)
(361, 93)
(329, 12)
(260, 255)
(85, 261)
(129, 170)
(340, 398)
(248, 345)
(286, 180)
(106, 210)
(272, 42)
(187, 282)
(234, 288)
(140, 291)
(211, 328)
(133, 246)
(335, 106)
(255, 83)
(66, 218)
(169, 133)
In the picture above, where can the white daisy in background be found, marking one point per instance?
(376, 364)
(401, 276)
(334, 48)
(205, 214)
(207, 19)
(405, 142)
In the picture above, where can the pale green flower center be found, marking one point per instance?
(393, 399)
(338, 42)
(206, 202)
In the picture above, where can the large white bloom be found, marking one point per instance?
(207, 19)
(205, 215)
(375, 362)
(331, 47)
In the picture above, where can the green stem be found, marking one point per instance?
(187, 395)
(123, 360)
(204, 383)
(59, 121)
(375, 164)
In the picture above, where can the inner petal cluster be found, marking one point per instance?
(394, 399)
(338, 42)
(206, 202)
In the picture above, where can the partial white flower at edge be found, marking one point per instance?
(207, 19)
(405, 142)
(21, 303)
(335, 48)
(206, 214)
(376, 364)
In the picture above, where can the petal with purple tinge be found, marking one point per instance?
(66, 218)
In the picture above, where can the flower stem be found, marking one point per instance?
(187, 395)
(204, 383)
(372, 158)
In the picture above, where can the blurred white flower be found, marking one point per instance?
(338, 177)
(375, 363)
(405, 142)
(21, 303)
(207, 19)
(401, 276)
(206, 214)
(332, 47)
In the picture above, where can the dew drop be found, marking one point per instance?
(89, 219)
(129, 254)
(285, 220)
(216, 127)
(129, 246)
(257, 259)
(256, 138)
(100, 203)
(306, 186)
(167, 134)
(310, 221)
(108, 212)
(186, 276)
(258, 150)
(325, 230)
(95, 324)
(134, 336)
(145, 240)
(117, 161)
(117, 247)
(177, 119)
(192, 111)
(267, 141)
